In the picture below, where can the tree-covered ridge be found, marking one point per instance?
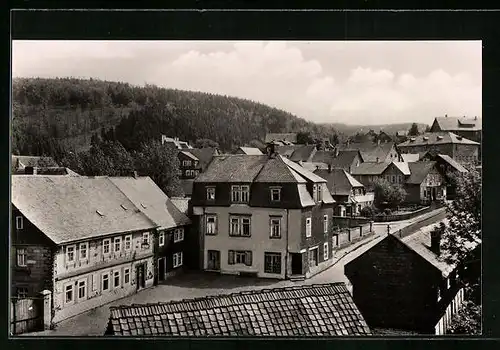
(72, 110)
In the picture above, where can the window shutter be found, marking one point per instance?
(248, 259)
(230, 257)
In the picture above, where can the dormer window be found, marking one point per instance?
(19, 222)
(275, 194)
(211, 193)
(425, 138)
(319, 193)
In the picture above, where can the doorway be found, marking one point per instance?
(296, 263)
(141, 278)
(213, 262)
(161, 269)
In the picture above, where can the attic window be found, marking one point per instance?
(123, 206)
(412, 139)
(426, 138)
(99, 213)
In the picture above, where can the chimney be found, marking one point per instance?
(329, 168)
(475, 117)
(446, 115)
(271, 150)
(348, 142)
(378, 159)
(29, 170)
(134, 174)
(436, 241)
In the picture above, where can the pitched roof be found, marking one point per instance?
(181, 203)
(33, 161)
(290, 137)
(276, 170)
(403, 167)
(436, 138)
(410, 157)
(323, 157)
(345, 158)
(326, 309)
(302, 171)
(233, 168)
(304, 153)
(71, 208)
(151, 200)
(187, 186)
(419, 171)
(204, 155)
(370, 151)
(370, 168)
(189, 155)
(251, 151)
(459, 123)
(340, 182)
(452, 163)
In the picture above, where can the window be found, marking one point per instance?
(21, 257)
(145, 238)
(239, 226)
(178, 235)
(308, 227)
(325, 223)
(126, 276)
(128, 242)
(272, 263)
(240, 257)
(105, 281)
(83, 251)
(439, 294)
(22, 292)
(235, 193)
(211, 193)
(211, 227)
(19, 222)
(245, 194)
(325, 251)
(177, 259)
(275, 228)
(82, 289)
(105, 246)
(400, 179)
(186, 163)
(275, 194)
(70, 253)
(393, 178)
(313, 257)
(161, 238)
(116, 279)
(319, 194)
(68, 293)
(118, 244)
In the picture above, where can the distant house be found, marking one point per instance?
(303, 154)
(350, 194)
(394, 173)
(426, 183)
(252, 151)
(19, 163)
(285, 138)
(402, 133)
(194, 161)
(444, 142)
(468, 128)
(175, 142)
(262, 215)
(400, 283)
(29, 170)
(278, 312)
(380, 152)
(448, 168)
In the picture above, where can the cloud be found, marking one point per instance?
(318, 81)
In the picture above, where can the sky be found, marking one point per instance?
(351, 82)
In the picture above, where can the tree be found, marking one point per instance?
(467, 321)
(206, 143)
(427, 128)
(388, 195)
(413, 130)
(46, 162)
(304, 138)
(161, 164)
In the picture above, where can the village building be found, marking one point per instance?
(277, 312)
(281, 138)
(19, 163)
(449, 168)
(304, 153)
(426, 184)
(374, 152)
(394, 173)
(467, 127)
(192, 162)
(350, 195)
(251, 151)
(81, 239)
(29, 170)
(175, 142)
(262, 215)
(347, 160)
(400, 283)
(462, 150)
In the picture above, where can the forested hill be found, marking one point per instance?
(71, 111)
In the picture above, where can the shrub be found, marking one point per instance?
(367, 212)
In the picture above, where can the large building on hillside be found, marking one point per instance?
(262, 215)
(469, 128)
(175, 142)
(457, 147)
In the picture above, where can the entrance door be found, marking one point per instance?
(141, 279)
(213, 260)
(296, 264)
(161, 269)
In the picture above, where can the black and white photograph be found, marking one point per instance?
(271, 188)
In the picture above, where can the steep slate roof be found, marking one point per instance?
(436, 138)
(251, 151)
(275, 170)
(403, 167)
(233, 168)
(308, 310)
(25, 161)
(419, 171)
(187, 186)
(452, 163)
(302, 171)
(323, 157)
(181, 203)
(65, 208)
(304, 153)
(370, 168)
(457, 123)
(151, 200)
(340, 182)
(290, 137)
(345, 159)
(204, 155)
(410, 157)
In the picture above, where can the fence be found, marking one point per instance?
(452, 309)
(350, 235)
(26, 315)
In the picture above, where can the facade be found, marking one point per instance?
(350, 195)
(270, 312)
(395, 173)
(457, 147)
(469, 128)
(426, 183)
(401, 284)
(194, 161)
(262, 215)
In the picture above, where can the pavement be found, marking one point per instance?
(200, 284)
